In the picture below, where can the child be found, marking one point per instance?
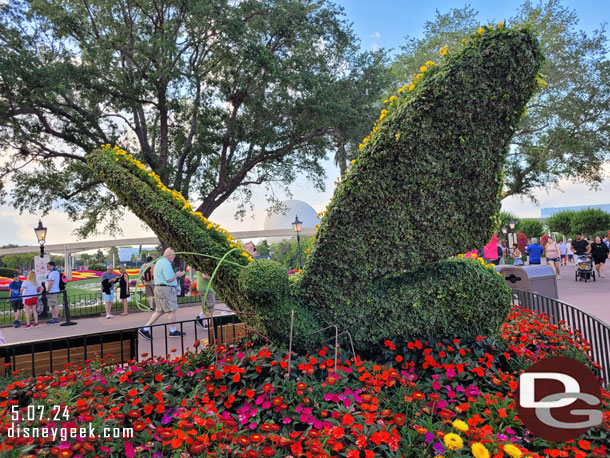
(30, 290)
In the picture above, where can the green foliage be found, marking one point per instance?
(506, 218)
(444, 299)
(590, 222)
(270, 297)
(378, 266)
(566, 133)
(286, 252)
(262, 248)
(561, 222)
(7, 272)
(98, 267)
(146, 75)
(531, 228)
(393, 211)
(19, 261)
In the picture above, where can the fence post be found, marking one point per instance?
(67, 310)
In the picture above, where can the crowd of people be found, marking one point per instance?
(559, 254)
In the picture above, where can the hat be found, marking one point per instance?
(16, 274)
(51, 263)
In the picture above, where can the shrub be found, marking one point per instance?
(531, 228)
(561, 222)
(98, 268)
(7, 272)
(590, 222)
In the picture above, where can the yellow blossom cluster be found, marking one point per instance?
(177, 196)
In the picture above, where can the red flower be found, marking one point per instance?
(400, 419)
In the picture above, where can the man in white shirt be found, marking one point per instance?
(53, 291)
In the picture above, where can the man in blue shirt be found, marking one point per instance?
(166, 299)
(16, 300)
(53, 291)
(534, 250)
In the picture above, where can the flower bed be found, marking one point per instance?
(420, 399)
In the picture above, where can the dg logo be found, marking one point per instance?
(559, 399)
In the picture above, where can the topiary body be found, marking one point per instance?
(425, 187)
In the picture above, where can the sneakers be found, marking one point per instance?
(201, 323)
(177, 333)
(26, 326)
(144, 333)
(54, 321)
(17, 323)
(110, 315)
(35, 325)
(558, 277)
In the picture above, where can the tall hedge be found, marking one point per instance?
(425, 187)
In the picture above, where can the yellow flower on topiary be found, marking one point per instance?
(479, 450)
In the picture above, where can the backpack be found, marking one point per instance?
(148, 276)
(62, 281)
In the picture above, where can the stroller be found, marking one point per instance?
(584, 271)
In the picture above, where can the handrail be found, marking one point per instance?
(595, 331)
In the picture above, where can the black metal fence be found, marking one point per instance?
(118, 347)
(88, 304)
(592, 329)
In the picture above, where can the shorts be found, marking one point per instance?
(150, 290)
(108, 297)
(166, 299)
(518, 262)
(534, 262)
(17, 305)
(52, 299)
(552, 259)
(31, 301)
(570, 256)
(599, 260)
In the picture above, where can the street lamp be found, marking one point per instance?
(297, 226)
(41, 235)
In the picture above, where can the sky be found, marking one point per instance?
(378, 24)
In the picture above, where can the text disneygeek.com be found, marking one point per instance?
(64, 434)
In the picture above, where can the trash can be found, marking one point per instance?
(535, 279)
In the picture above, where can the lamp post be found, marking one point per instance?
(41, 235)
(297, 226)
(511, 233)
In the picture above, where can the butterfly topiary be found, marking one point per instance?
(425, 186)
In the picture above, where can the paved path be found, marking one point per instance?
(593, 296)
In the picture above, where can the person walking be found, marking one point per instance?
(562, 252)
(53, 291)
(16, 299)
(553, 255)
(534, 250)
(517, 255)
(108, 281)
(569, 252)
(124, 293)
(146, 273)
(166, 299)
(29, 289)
(599, 252)
(580, 246)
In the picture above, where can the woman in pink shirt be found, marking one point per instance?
(553, 255)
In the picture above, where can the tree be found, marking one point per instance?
(561, 222)
(286, 252)
(19, 261)
(590, 222)
(215, 97)
(262, 248)
(566, 132)
(506, 218)
(531, 228)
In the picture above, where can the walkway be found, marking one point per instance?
(592, 297)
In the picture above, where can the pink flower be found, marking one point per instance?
(129, 451)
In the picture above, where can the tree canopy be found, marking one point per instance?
(566, 131)
(215, 97)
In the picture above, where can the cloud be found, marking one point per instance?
(375, 35)
(374, 46)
